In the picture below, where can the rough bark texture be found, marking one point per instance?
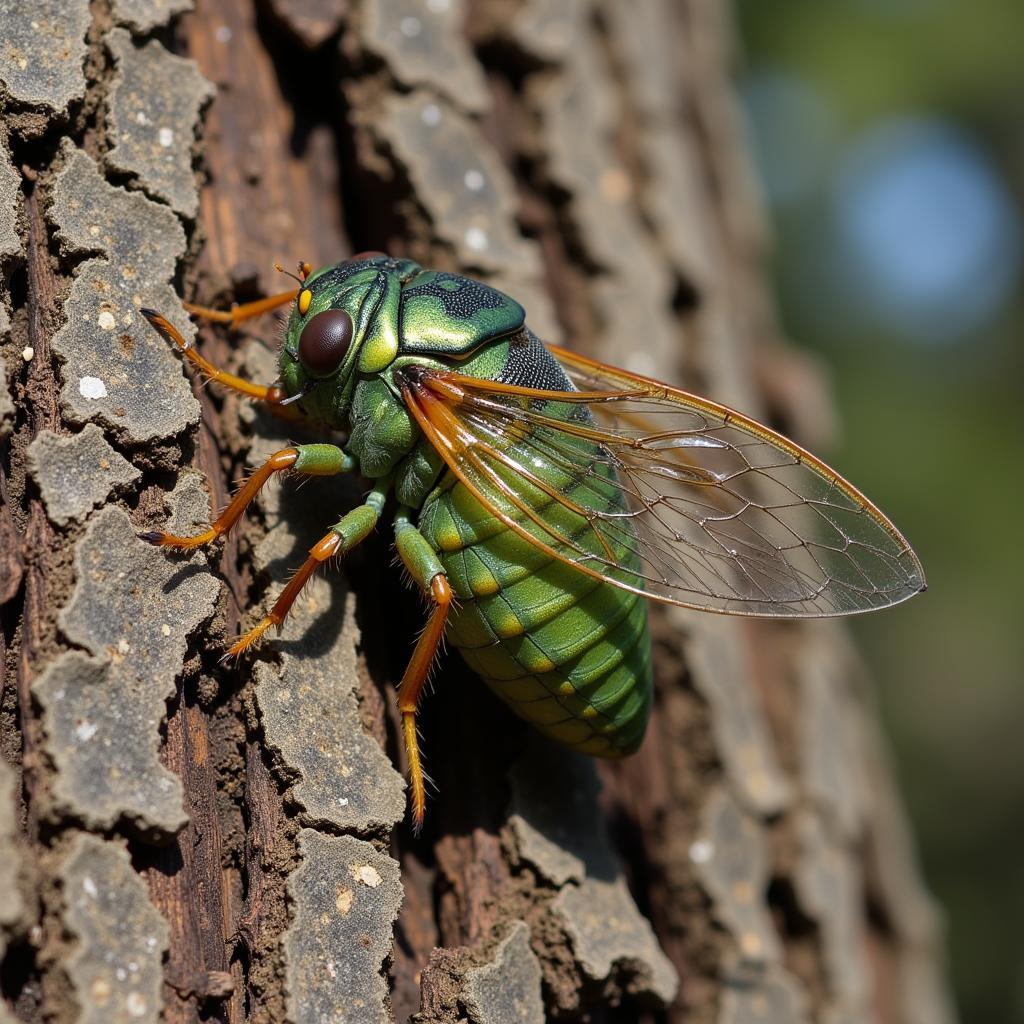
(182, 839)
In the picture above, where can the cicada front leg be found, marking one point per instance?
(423, 564)
(311, 459)
(271, 394)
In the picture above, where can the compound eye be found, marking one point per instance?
(324, 342)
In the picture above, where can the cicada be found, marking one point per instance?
(539, 498)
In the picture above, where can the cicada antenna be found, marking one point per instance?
(305, 269)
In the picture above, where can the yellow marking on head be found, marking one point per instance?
(305, 298)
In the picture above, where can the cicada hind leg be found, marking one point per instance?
(423, 564)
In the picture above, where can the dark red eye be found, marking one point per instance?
(369, 254)
(324, 342)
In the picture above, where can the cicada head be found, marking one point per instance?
(344, 322)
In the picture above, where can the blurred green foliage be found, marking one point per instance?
(935, 434)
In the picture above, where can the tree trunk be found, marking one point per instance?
(184, 838)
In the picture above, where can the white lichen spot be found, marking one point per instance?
(106, 320)
(89, 886)
(150, 942)
(410, 27)
(27, 353)
(136, 1004)
(166, 137)
(121, 974)
(615, 185)
(222, 33)
(743, 891)
(474, 179)
(165, 629)
(702, 851)
(123, 647)
(84, 732)
(431, 115)
(100, 990)
(140, 118)
(369, 875)
(476, 239)
(92, 388)
(343, 801)
(343, 899)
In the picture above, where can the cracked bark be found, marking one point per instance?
(588, 161)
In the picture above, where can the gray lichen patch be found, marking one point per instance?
(312, 21)
(831, 771)
(464, 186)
(77, 473)
(423, 44)
(133, 608)
(115, 966)
(311, 719)
(546, 30)
(610, 938)
(115, 368)
(506, 990)
(558, 838)
(142, 16)
(101, 734)
(136, 604)
(578, 112)
(346, 896)
(142, 238)
(775, 997)
(10, 199)
(152, 117)
(730, 857)
(12, 904)
(831, 892)
(42, 51)
(6, 402)
(721, 673)
(565, 841)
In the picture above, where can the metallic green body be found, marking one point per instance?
(568, 652)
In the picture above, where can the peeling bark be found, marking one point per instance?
(182, 839)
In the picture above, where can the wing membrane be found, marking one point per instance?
(661, 492)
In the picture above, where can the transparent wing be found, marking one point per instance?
(661, 492)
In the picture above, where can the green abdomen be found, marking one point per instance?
(567, 652)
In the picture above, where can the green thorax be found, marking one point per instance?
(401, 314)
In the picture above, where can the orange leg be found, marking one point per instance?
(272, 395)
(247, 310)
(354, 527)
(313, 459)
(411, 687)
(324, 548)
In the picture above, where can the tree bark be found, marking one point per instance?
(184, 839)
